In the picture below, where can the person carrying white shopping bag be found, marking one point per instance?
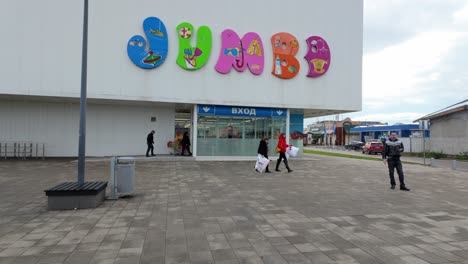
(263, 152)
(281, 149)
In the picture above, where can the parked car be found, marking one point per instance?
(373, 147)
(354, 145)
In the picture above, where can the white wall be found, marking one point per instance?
(111, 129)
(41, 51)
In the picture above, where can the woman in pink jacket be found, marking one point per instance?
(282, 145)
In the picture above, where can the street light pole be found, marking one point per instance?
(82, 132)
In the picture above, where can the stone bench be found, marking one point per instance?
(71, 195)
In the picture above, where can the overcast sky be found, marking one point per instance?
(415, 59)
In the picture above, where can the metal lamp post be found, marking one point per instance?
(82, 132)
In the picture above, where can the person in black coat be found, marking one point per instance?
(150, 142)
(263, 150)
(185, 144)
(393, 147)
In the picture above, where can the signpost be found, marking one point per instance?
(424, 125)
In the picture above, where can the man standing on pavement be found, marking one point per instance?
(391, 155)
(150, 142)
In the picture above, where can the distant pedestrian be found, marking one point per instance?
(185, 144)
(391, 156)
(281, 148)
(263, 150)
(150, 142)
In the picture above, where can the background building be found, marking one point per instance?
(410, 134)
(449, 129)
(226, 114)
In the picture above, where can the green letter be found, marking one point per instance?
(193, 58)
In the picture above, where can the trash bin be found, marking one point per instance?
(125, 175)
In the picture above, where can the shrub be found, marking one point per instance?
(437, 155)
(462, 156)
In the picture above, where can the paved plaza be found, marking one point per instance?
(329, 210)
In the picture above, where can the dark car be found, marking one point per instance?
(373, 147)
(354, 145)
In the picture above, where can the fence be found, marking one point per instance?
(21, 150)
(415, 144)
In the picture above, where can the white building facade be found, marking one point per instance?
(291, 61)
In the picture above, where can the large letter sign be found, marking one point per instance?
(285, 47)
(193, 58)
(152, 55)
(318, 56)
(240, 53)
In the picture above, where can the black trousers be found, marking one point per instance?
(395, 163)
(267, 169)
(150, 147)
(282, 156)
(185, 147)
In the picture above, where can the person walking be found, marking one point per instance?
(150, 142)
(391, 156)
(263, 150)
(185, 144)
(281, 148)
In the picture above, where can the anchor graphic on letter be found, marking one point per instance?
(240, 62)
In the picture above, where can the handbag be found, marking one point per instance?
(277, 150)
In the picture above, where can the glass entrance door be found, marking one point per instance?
(183, 123)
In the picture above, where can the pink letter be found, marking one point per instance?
(239, 53)
(318, 56)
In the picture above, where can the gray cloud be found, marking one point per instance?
(387, 22)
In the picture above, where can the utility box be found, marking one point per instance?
(125, 175)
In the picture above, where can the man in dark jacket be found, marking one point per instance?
(391, 155)
(150, 142)
(263, 150)
(185, 143)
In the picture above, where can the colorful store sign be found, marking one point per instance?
(285, 47)
(240, 111)
(318, 56)
(155, 54)
(193, 58)
(238, 53)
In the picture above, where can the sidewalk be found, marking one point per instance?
(332, 210)
(438, 163)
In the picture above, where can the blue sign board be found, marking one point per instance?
(240, 111)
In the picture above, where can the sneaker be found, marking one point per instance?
(393, 187)
(403, 188)
(277, 170)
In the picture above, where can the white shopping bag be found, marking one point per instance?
(292, 151)
(261, 164)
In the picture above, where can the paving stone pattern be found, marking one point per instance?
(329, 210)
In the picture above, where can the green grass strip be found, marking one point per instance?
(342, 155)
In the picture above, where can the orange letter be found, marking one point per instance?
(285, 47)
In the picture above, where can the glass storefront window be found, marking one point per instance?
(237, 136)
